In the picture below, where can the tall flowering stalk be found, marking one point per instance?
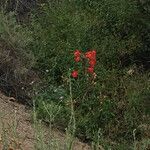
(91, 56)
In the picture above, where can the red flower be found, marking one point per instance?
(77, 53)
(90, 54)
(74, 74)
(92, 62)
(90, 70)
(77, 59)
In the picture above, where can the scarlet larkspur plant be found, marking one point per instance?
(90, 56)
(74, 74)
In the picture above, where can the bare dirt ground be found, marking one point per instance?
(16, 126)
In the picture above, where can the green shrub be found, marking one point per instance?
(115, 102)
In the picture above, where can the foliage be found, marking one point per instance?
(118, 30)
(114, 29)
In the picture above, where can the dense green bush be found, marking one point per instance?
(119, 32)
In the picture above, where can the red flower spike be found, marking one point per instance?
(90, 70)
(74, 74)
(91, 56)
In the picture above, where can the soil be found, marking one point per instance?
(13, 114)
